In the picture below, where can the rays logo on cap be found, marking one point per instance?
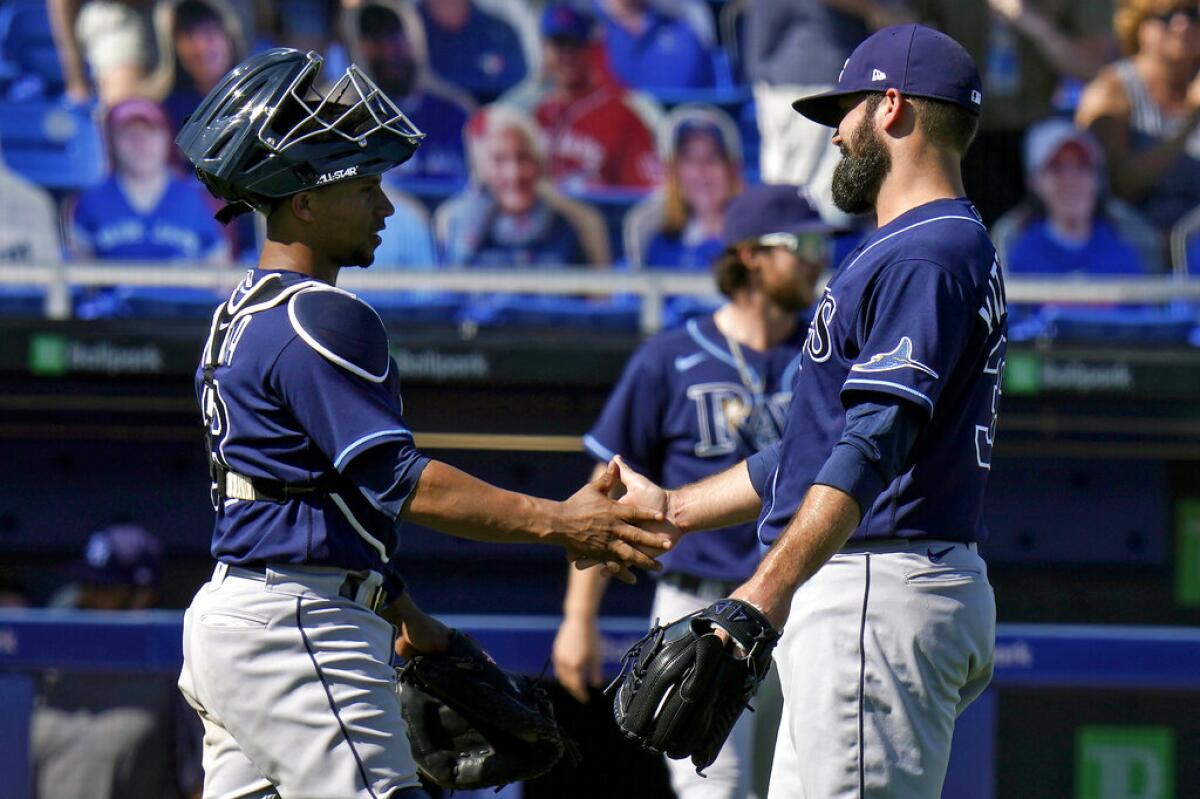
(899, 358)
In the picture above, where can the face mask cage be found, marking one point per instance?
(354, 109)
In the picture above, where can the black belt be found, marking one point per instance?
(693, 583)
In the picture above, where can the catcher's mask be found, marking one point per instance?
(266, 131)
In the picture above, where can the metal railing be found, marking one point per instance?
(651, 286)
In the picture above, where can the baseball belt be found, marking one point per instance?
(363, 588)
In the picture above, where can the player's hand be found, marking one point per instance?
(577, 656)
(1193, 93)
(594, 527)
(637, 490)
(420, 633)
(774, 604)
(1011, 10)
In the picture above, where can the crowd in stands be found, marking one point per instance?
(603, 134)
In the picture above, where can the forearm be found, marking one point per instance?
(452, 501)
(724, 499)
(1079, 58)
(1135, 175)
(62, 15)
(585, 590)
(820, 528)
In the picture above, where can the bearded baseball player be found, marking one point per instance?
(872, 504)
(288, 648)
(694, 401)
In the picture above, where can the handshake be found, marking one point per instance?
(644, 529)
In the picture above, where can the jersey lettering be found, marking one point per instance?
(819, 343)
(995, 304)
(985, 434)
(725, 411)
(720, 410)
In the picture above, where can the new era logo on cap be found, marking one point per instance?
(878, 74)
(976, 97)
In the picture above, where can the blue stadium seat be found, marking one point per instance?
(612, 203)
(22, 301)
(138, 302)
(616, 314)
(1133, 326)
(27, 51)
(415, 307)
(52, 143)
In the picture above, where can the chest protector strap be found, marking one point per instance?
(249, 298)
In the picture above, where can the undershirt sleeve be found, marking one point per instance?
(874, 447)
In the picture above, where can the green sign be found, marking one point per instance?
(1187, 552)
(1125, 763)
(1022, 373)
(47, 354)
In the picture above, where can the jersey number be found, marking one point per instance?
(985, 434)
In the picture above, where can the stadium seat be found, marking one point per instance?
(415, 307)
(22, 301)
(27, 51)
(1185, 245)
(615, 314)
(52, 143)
(145, 302)
(1120, 326)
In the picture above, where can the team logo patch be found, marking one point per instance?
(898, 358)
(340, 174)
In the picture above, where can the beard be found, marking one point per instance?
(858, 176)
(790, 297)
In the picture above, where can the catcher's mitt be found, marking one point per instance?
(473, 725)
(682, 688)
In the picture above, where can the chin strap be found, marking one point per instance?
(232, 211)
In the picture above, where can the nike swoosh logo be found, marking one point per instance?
(683, 363)
(936, 557)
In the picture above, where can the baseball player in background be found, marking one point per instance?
(694, 401)
(288, 648)
(872, 503)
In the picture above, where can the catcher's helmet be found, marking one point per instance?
(266, 131)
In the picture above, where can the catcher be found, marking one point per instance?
(288, 648)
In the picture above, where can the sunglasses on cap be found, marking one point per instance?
(1189, 12)
(806, 246)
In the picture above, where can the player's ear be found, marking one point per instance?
(891, 111)
(302, 206)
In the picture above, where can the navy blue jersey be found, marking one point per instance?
(302, 389)
(917, 312)
(682, 411)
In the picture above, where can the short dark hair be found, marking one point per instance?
(947, 125)
(192, 14)
(730, 271)
(379, 22)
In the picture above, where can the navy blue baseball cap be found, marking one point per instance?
(763, 210)
(561, 21)
(121, 554)
(912, 59)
